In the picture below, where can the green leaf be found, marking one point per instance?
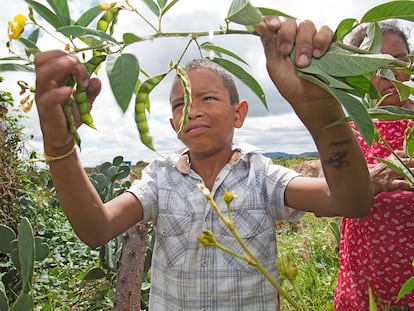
(242, 12)
(361, 86)
(373, 39)
(80, 31)
(272, 12)
(168, 7)
(244, 77)
(130, 38)
(153, 7)
(31, 47)
(61, 9)
(391, 9)
(86, 18)
(356, 110)
(344, 28)
(94, 274)
(46, 13)
(23, 302)
(162, 3)
(390, 113)
(122, 71)
(409, 142)
(4, 303)
(359, 114)
(407, 287)
(219, 50)
(398, 167)
(372, 304)
(34, 36)
(26, 249)
(6, 236)
(339, 62)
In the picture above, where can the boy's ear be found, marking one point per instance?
(172, 124)
(241, 112)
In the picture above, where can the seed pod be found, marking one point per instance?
(185, 81)
(81, 95)
(107, 18)
(70, 121)
(142, 103)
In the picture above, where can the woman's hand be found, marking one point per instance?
(384, 179)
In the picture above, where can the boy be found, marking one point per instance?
(187, 276)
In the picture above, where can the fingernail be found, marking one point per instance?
(303, 60)
(317, 53)
(273, 21)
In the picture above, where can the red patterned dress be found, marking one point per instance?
(377, 250)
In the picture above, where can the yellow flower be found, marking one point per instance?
(106, 7)
(16, 27)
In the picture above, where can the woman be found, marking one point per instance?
(377, 251)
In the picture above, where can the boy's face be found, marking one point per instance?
(212, 117)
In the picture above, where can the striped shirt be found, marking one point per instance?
(188, 276)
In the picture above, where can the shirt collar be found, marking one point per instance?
(184, 164)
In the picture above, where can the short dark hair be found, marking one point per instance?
(386, 27)
(228, 80)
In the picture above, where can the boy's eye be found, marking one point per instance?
(178, 105)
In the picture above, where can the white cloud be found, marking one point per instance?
(276, 130)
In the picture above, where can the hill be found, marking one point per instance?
(276, 155)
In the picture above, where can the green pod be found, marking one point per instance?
(81, 95)
(71, 121)
(142, 103)
(93, 64)
(185, 81)
(106, 19)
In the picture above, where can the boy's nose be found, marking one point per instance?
(194, 111)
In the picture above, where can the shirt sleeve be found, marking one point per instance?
(145, 190)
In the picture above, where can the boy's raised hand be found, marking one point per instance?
(53, 69)
(279, 38)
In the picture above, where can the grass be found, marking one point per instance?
(314, 248)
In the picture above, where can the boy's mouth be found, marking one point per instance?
(195, 129)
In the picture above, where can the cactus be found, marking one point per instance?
(23, 250)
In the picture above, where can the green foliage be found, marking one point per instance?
(21, 253)
(338, 71)
(314, 250)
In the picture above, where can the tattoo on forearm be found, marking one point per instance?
(337, 160)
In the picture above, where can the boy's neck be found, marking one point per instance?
(208, 167)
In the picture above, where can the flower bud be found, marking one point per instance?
(229, 196)
(287, 267)
(207, 239)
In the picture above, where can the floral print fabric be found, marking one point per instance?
(377, 251)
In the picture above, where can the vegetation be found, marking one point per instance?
(73, 277)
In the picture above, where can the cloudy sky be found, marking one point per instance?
(275, 130)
